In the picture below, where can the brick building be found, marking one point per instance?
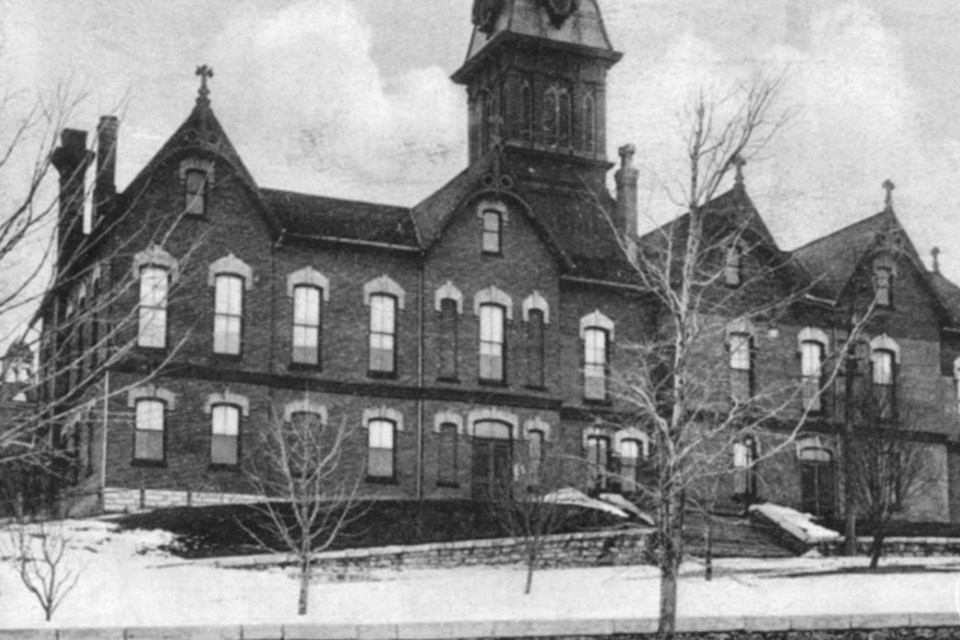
(200, 306)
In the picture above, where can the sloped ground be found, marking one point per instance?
(127, 580)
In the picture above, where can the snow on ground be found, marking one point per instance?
(798, 524)
(127, 581)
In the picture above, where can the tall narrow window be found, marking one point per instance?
(383, 329)
(491, 343)
(883, 364)
(536, 454)
(595, 363)
(307, 312)
(228, 314)
(447, 455)
(148, 430)
(535, 348)
(589, 124)
(811, 361)
(448, 339)
(566, 121)
(225, 434)
(196, 191)
(630, 464)
(526, 112)
(734, 265)
(380, 448)
(551, 116)
(154, 286)
(744, 458)
(598, 460)
(883, 284)
(741, 361)
(492, 223)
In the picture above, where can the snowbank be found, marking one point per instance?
(799, 525)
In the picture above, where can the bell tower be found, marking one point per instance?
(535, 75)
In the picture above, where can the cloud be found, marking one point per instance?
(317, 114)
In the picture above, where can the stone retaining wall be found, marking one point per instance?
(935, 626)
(131, 500)
(896, 546)
(562, 550)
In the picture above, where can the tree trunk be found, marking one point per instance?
(304, 584)
(849, 500)
(671, 545)
(531, 565)
(708, 559)
(876, 548)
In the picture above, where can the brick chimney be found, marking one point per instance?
(106, 186)
(626, 179)
(71, 160)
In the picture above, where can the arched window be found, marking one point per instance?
(589, 126)
(744, 476)
(383, 330)
(307, 327)
(150, 405)
(630, 450)
(380, 449)
(884, 273)
(741, 366)
(526, 111)
(536, 454)
(536, 348)
(492, 236)
(228, 314)
(225, 434)
(492, 343)
(817, 478)
(733, 267)
(883, 365)
(447, 455)
(598, 459)
(551, 116)
(154, 287)
(596, 331)
(811, 364)
(566, 120)
(196, 191)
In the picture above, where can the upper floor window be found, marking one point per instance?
(384, 297)
(380, 448)
(492, 223)
(492, 343)
(526, 111)
(154, 288)
(229, 277)
(732, 270)
(228, 314)
(811, 363)
(741, 366)
(449, 317)
(196, 174)
(383, 330)
(307, 312)
(596, 331)
(536, 313)
(196, 192)
(556, 116)
(225, 434)
(883, 284)
(883, 365)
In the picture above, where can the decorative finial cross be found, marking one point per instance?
(739, 163)
(204, 72)
(888, 186)
(935, 252)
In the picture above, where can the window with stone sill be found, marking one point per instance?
(225, 435)
(149, 430)
(381, 436)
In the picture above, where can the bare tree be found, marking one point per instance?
(712, 274)
(60, 298)
(310, 493)
(888, 469)
(38, 553)
(529, 507)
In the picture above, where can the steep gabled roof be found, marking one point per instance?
(310, 216)
(949, 295)
(833, 259)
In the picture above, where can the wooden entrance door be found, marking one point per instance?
(818, 488)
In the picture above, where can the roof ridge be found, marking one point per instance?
(842, 230)
(332, 198)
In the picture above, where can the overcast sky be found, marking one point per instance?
(352, 98)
